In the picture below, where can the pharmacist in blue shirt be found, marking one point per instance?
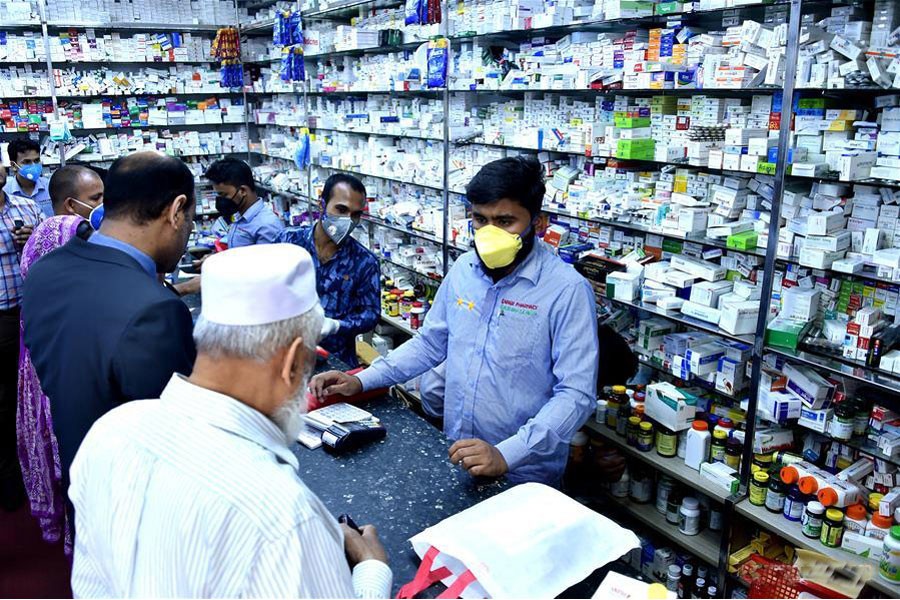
(25, 158)
(517, 328)
(251, 221)
(347, 274)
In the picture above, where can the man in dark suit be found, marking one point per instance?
(101, 328)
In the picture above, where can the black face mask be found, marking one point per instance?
(226, 206)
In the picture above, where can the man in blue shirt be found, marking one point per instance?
(517, 328)
(347, 275)
(251, 221)
(25, 157)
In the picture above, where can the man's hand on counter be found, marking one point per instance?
(334, 382)
(360, 548)
(188, 287)
(479, 458)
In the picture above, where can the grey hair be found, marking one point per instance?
(257, 342)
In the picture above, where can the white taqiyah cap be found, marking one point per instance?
(255, 285)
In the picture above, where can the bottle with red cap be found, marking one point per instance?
(839, 494)
(698, 442)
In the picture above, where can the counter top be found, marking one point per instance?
(401, 484)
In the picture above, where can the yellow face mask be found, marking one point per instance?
(496, 248)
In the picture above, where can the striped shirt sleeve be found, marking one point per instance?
(308, 562)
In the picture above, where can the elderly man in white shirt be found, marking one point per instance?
(196, 494)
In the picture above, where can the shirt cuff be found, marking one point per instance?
(514, 452)
(372, 378)
(372, 579)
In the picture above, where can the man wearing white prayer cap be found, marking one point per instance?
(196, 494)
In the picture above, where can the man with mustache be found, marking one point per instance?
(196, 494)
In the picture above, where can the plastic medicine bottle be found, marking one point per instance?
(698, 442)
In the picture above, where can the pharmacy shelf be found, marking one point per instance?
(406, 46)
(710, 387)
(423, 92)
(20, 25)
(398, 323)
(375, 133)
(376, 175)
(133, 62)
(831, 178)
(856, 370)
(345, 10)
(79, 160)
(716, 243)
(259, 28)
(790, 531)
(433, 278)
(704, 545)
(593, 92)
(623, 24)
(865, 447)
(287, 194)
(677, 317)
(139, 127)
(673, 467)
(137, 26)
(408, 231)
(210, 94)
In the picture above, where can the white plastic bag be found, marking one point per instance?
(530, 541)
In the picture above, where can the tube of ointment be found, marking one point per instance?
(839, 494)
(857, 471)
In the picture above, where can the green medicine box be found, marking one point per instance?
(641, 149)
(745, 240)
(667, 8)
(766, 168)
(623, 121)
(786, 333)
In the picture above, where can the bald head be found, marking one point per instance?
(140, 186)
(75, 190)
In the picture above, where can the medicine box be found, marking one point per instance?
(800, 304)
(699, 268)
(816, 420)
(700, 311)
(786, 333)
(814, 390)
(669, 406)
(709, 292)
(739, 318)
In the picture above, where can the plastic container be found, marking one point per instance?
(631, 431)
(686, 584)
(715, 518)
(698, 442)
(794, 504)
(682, 444)
(725, 424)
(806, 476)
(889, 565)
(689, 516)
(759, 488)
(839, 494)
(832, 528)
(841, 427)
(673, 508)
(856, 519)
(776, 495)
(811, 521)
(620, 488)
(663, 489)
(761, 462)
(717, 446)
(578, 449)
(666, 442)
(645, 436)
(673, 576)
(416, 316)
(879, 527)
(612, 411)
(641, 488)
(875, 501)
(861, 418)
(600, 412)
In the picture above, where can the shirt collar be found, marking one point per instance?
(251, 213)
(143, 259)
(530, 268)
(16, 189)
(228, 414)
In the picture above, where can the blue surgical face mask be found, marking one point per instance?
(31, 172)
(97, 217)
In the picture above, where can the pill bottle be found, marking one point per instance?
(673, 507)
(619, 488)
(875, 501)
(715, 517)
(631, 430)
(889, 565)
(666, 442)
(856, 519)
(794, 504)
(733, 454)
(698, 442)
(689, 516)
(832, 528)
(717, 447)
(759, 488)
(879, 527)
(861, 418)
(600, 412)
(811, 521)
(645, 436)
(839, 494)
(663, 489)
(776, 495)
(641, 488)
(672, 578)
(761, 462)
(841, 427)
(612, 411)
(416, 316)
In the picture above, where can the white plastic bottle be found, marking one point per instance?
(698, 441)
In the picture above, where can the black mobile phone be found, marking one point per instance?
(348, 521)
(19, 223)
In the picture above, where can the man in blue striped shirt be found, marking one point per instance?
(517, 328)
(196, 494)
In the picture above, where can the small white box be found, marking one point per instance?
(699, 311)
(739, 318)
(814, 390)
(815, 419)
(709, 292)
(824, 223)
(800, 304)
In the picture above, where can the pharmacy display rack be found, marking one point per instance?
(787, 114)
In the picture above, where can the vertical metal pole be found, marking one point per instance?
(784, 131)
(445, 30)
(42, 8)
(240, 28)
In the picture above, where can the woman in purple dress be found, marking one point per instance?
(38, 451)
